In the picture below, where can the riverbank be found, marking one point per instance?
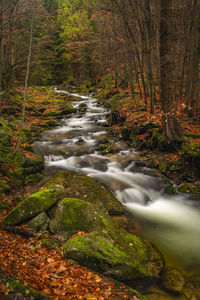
(142, 131)
(26, 253)
(106, 148)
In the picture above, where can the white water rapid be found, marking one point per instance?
(172, 223)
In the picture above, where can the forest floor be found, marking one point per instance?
(26, 264)
(26, 259)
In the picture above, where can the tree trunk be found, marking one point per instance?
(169, 123)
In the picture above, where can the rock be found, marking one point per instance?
(33, 165)
(173, 280)
(67, 109)
(5, 143)
(123, 256)
(86, 188)
(184, 188)
(33, 178)
(116, 118)
(146, 126)
(169, 190)
(73, 215)
(40, 222)
(49, 244)
(34, 205)
(82, 108)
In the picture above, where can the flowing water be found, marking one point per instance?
(172, 223)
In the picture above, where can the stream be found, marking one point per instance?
(172, 223)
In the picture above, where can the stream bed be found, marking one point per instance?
(172, 223)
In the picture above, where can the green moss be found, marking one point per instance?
(34, 178)
(33, 205)
(170, 190)
(51, 113)
(49, 244)
(189, 134)
(4, 187)
(191, 149)
(73, 215)
(86, 188)
(157, 139)
(16, 288)
(121, 255)
(108, 149)
(184, 188)
(162, 167)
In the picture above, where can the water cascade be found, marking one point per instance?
(171, 222)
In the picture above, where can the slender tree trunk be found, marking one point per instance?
(169, 124)
(27, 75)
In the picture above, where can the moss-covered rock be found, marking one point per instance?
(86, 188)
(33, 205)
(169, 190)
(172, 280)
(157, 140)
(40, 222)
(184, 187)
(33, 165)
(49, 244)
(5, 143)
(73, 215)
(123, 256)
(33, 178)
(190, 156)
(65, 109)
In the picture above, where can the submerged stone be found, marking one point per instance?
(33, 205)
(173, 280)
(73, 215)
(123, 256)
(86, 188)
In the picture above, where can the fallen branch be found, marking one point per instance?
(25, 232)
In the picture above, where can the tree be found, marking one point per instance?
(169, 123)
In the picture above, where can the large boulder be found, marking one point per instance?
(40, 222)
(123, 256)
(86, 188)
(34, 205)
(73, 215)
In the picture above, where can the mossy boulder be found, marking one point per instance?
(123, 256)
(156, 140)
(173, 280)
(190, 157)
(184, 187)
(82, 108)
(34, 205)
(33, 165)
(86, 188)
(40, 222)
(5, 143)
(33, 178)
(73, 215)
(49, 243)
(65, 109)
